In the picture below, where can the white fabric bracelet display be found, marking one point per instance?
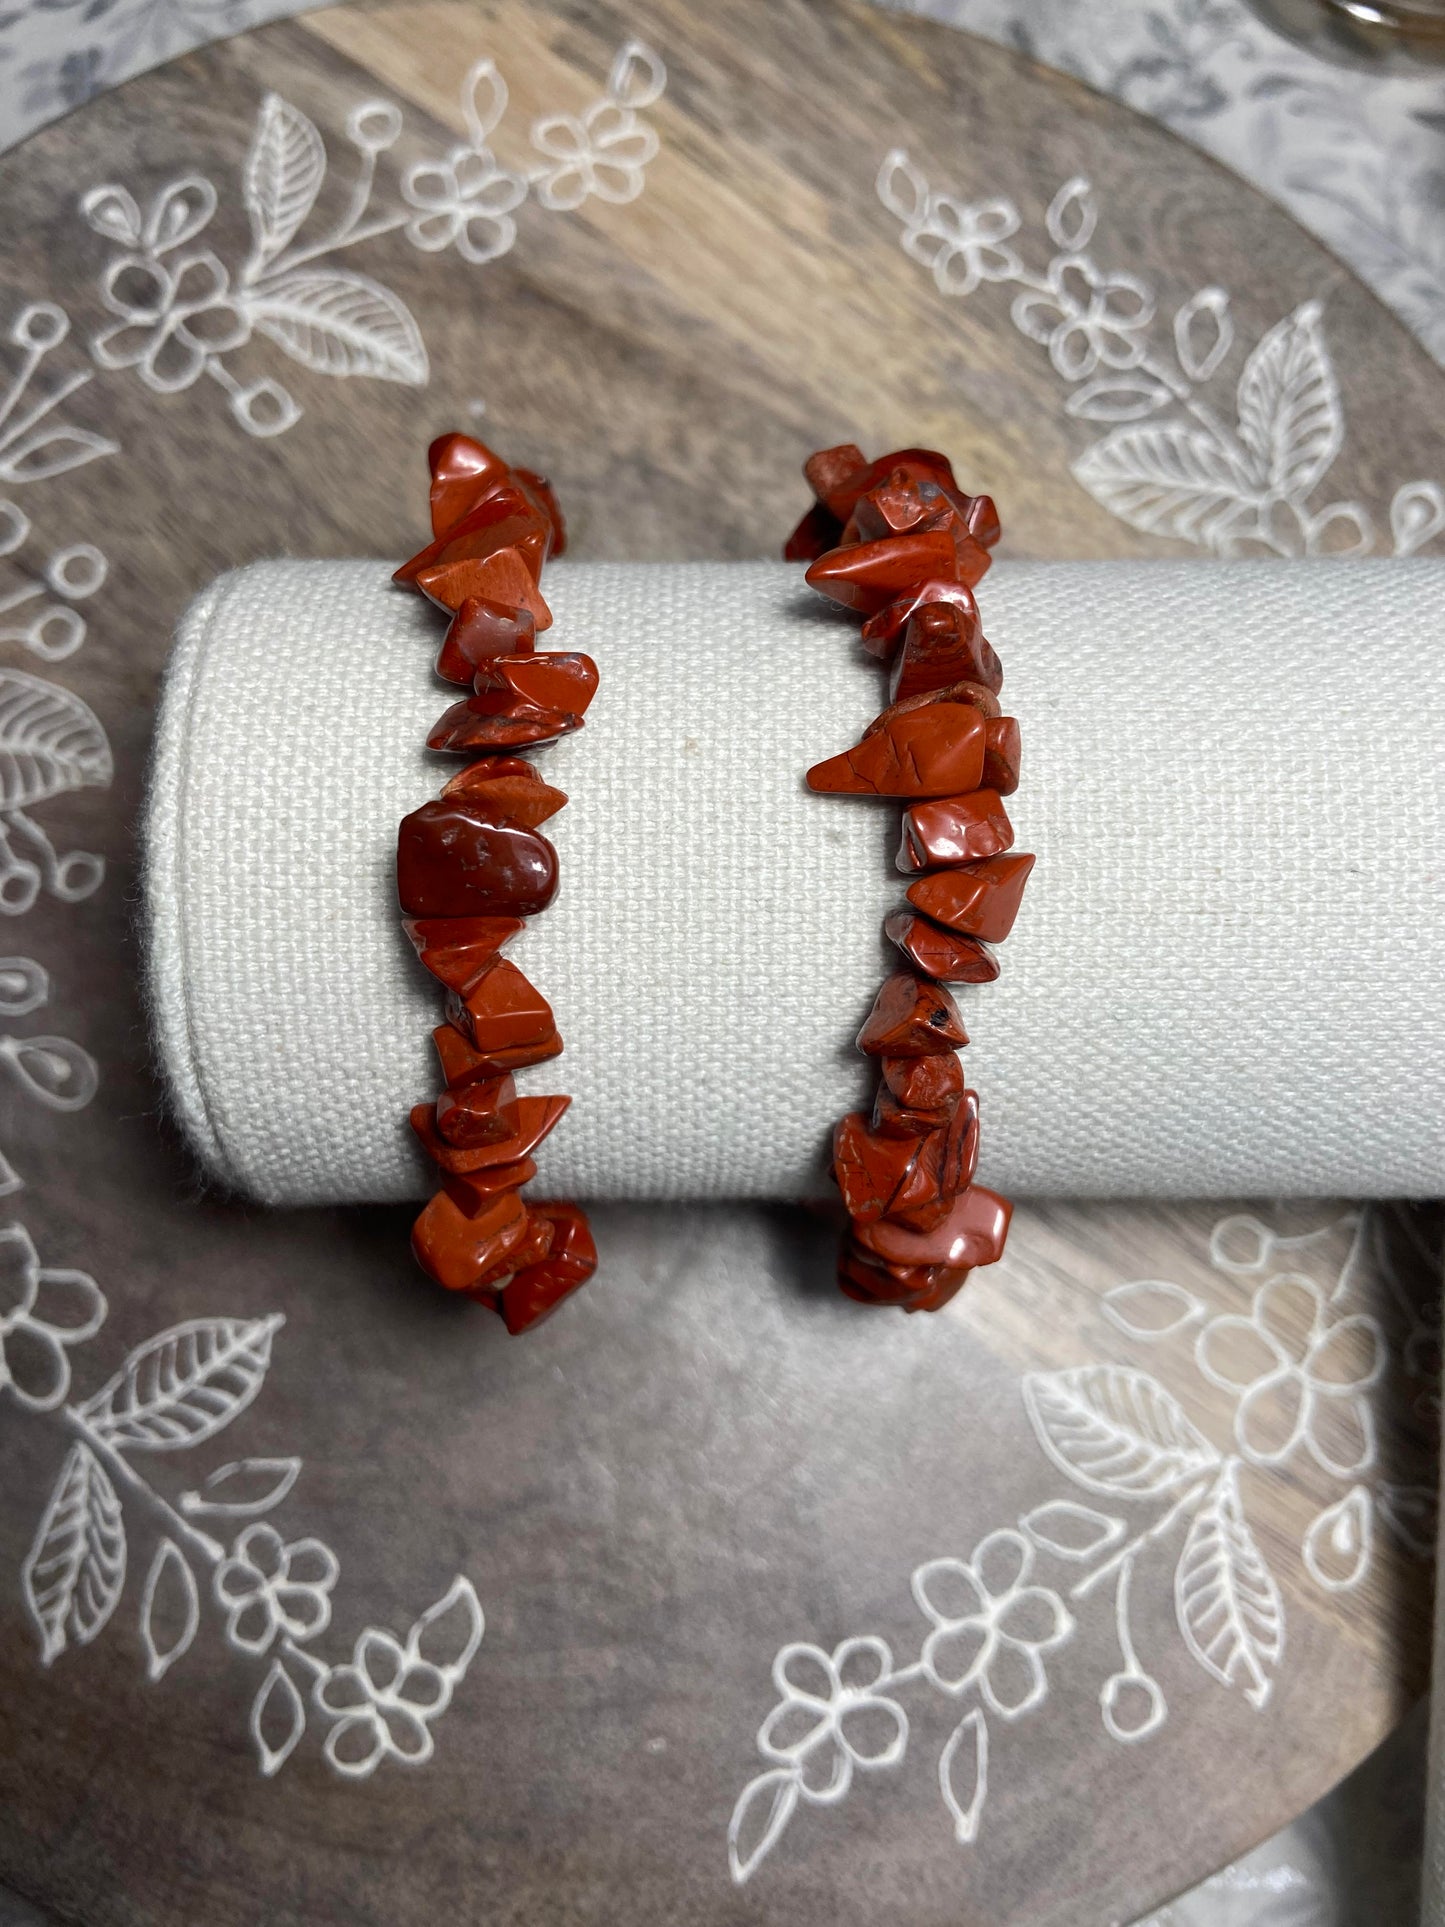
(1225, 978)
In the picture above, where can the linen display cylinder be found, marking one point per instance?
(1225, 978)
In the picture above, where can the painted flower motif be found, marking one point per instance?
(1301, 1374)
(831, 1717)
(42, 1313)
(267, 1586)
(963, 243)
(1086, 318)
(173, 317)
(602, 153)
(465, 201)
(989, 1626)
(383, 1703)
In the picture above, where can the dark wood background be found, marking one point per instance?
(710, 1454)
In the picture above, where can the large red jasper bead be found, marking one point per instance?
(933, 751)
(868, 1166)
(954, 829)
(536, 1290)
(941, 646)
(463, 473)
(505, 1012)
(455, 859)
(504, 519)
(501, 1057)
(979, 899)
(461, 1062)
(869, 575)
(456, 1249)
(504, 577)
(550, 679)
(863, 1277)
(973, 1233)
(941, 954)
(911, 1017)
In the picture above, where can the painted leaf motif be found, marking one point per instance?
(180, 212)
(637, 77)
(1167, 480)
(764, 1808)
(244, 1489)
(75, 1569)
(51, 449)
(1117, 398)
(1151, 1307)
(170, 1610)
(448, 1633)
(278, 1719)
(50, 742)
(963, 1775)
(901, 188)
(1203, 333)
(1071, 1531)
(341, 324)
(185, 1384)
(1289, 405)
(284, 172)
(1339, 1543)
(1115, 1430)
(113, 213)
(1227, 1603)
(1071, 215)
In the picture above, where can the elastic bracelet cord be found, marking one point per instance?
(471, 867)
(897, 542)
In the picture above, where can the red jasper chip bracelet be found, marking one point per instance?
(472, 866)
(898, 542)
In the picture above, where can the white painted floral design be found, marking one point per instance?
(1237, 478)
(605, 151)
(833, 1715)
(43, 1312)
(268, 1587)
(180, 312)
(1301, 1376)
(990, 1628)
(1001, 1619)
(385, 1701)
(274, 1593)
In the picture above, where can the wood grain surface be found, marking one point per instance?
(1191, 1585)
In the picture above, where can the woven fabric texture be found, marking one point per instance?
(1225, 979)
